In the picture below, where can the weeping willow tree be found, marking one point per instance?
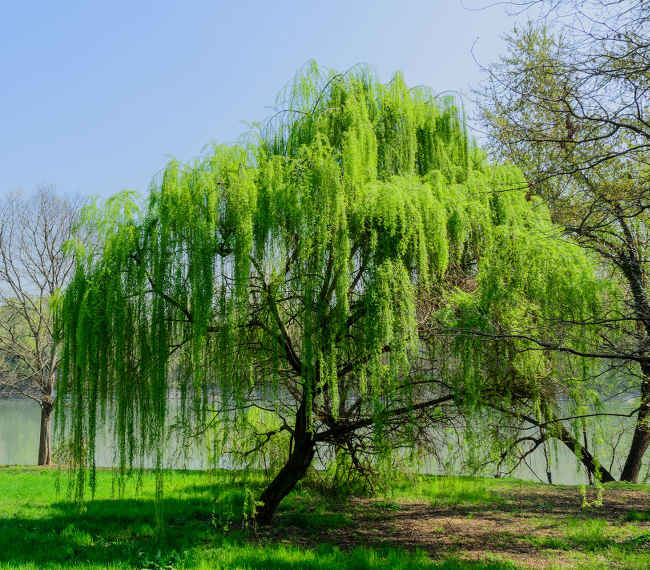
(292, 275)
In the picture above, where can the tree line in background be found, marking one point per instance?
(359, 279)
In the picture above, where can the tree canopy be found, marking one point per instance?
(295, 275)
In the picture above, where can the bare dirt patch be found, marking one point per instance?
(530, 525)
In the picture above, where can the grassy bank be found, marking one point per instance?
(431, 522)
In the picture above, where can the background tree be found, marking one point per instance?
(288, 281)
(33, 268)
(568, 104)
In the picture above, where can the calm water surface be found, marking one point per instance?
(19, 432)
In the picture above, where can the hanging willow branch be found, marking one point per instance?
(290, 272)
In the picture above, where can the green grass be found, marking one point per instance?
(455, 491)
(638, 516)
(595, 544)
(41, 529)
(205, 526)
(583, 534)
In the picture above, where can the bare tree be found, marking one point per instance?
(33, 267)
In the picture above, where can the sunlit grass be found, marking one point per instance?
(453, 491)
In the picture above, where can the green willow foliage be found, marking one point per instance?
(291, 270)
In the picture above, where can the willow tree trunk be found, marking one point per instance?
(44, 452)
(641, 437)
(294, 470)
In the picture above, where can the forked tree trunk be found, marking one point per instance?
(44, 452)
(293, 471)
(641, 437)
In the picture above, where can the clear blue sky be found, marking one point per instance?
(96, 96)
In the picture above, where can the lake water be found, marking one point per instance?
(19, 432)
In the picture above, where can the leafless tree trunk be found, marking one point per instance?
(33, 267)
(44, 445)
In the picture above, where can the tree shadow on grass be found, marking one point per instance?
(118, 531)
(201, 531)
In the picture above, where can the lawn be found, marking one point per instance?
(426, 522)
